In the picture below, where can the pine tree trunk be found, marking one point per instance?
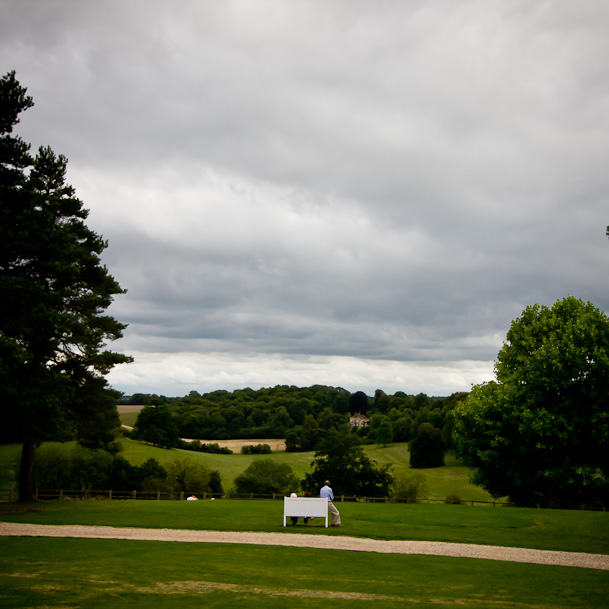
(26, 487)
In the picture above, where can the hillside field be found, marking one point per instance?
(441, 481)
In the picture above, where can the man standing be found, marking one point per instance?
(326, 492)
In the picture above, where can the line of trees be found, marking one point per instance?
(74, 467)
(302, 416)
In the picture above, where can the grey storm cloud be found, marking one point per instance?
(350, 193)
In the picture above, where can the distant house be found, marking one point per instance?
(358, 420)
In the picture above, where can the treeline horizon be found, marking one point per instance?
(302, 415)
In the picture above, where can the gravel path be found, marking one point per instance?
(325, 542)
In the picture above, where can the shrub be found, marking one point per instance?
(265, 477)
(408, 487)
(453, 499)
(256, 449)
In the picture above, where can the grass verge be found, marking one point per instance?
(71, 573)
(574, 531)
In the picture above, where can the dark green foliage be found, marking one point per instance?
(155, 425)
(540, 433)
(340, 458)
(187, 476)
(256, 449)
(358, 402)
(212, 447)
(299, 414)
(384, 434)
(215, 482)
(53, 291)
(265, 476)
(453, 500)
(61, 466)
(427, 448)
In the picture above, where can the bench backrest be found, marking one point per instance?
(305, 506)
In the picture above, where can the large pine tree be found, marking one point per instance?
(54, 290)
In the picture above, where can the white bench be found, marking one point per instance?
(307, 507)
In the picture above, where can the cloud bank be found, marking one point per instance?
(345, 193)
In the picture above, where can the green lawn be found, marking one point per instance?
(96, 574)
(575, 531)
(75, 573)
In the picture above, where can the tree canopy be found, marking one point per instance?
(155, 425)
(340, 458)
(540, 432)
(53, 292)
(265, 477)
(427, 448)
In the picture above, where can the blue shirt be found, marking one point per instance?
(326, 492)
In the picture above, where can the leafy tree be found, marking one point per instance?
(155, 424)
(402, 429)
(427, 448)
(53, 291)
(188, 476)
(384, 434)
(72, 467)
(540, 432)
(381, 401)
(358, 402)
(151, 468)
(340, 458)
(265, 476)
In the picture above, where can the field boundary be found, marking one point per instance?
(324, 542)
(10, 496)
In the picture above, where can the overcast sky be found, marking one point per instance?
(352, 193)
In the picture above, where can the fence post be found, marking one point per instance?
(204, 494)
(36, 494)
(342, 498)
(110, 494)
(134, 494)
(181, 495)
(86, 493)
(60, 494)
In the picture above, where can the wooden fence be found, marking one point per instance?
(10, 495)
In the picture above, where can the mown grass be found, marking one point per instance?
(574, 531)
(71, 573)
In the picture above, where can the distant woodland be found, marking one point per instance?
(303, 415)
